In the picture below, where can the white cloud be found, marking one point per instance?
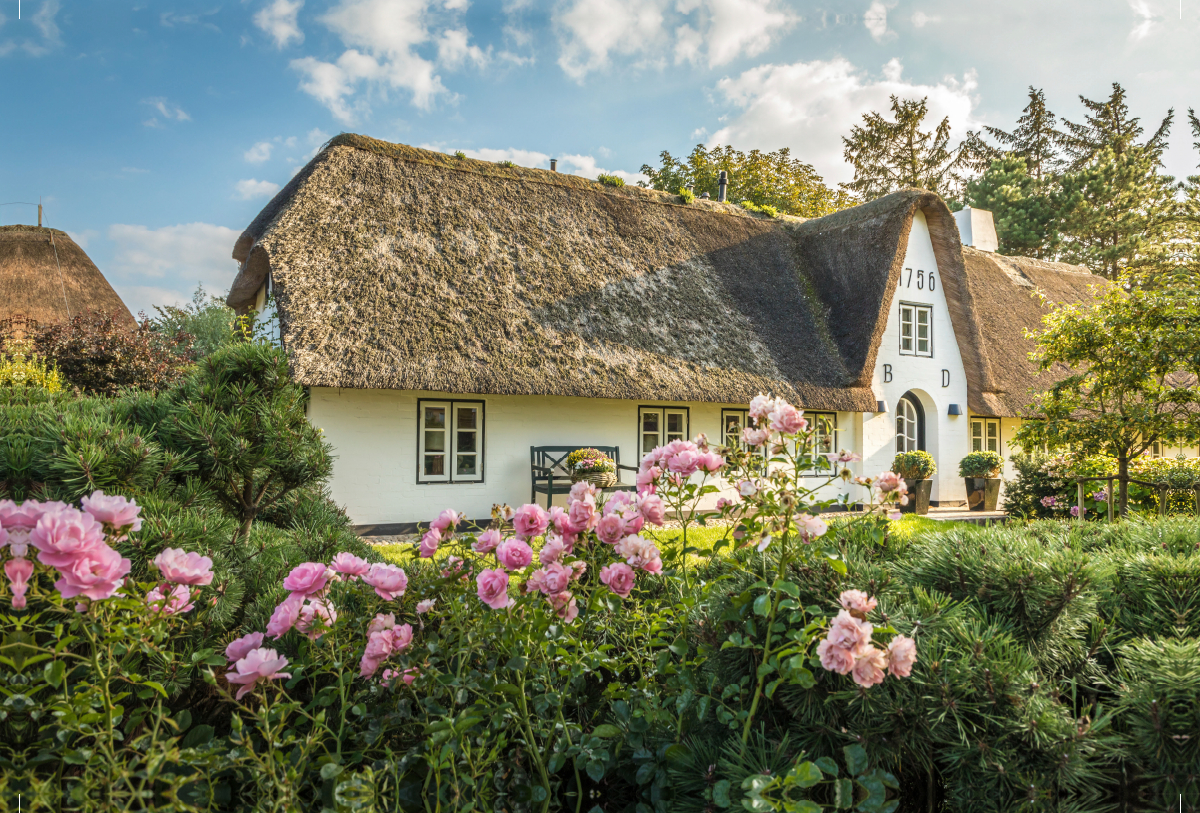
(251, 188)
(920, 19)
(809, 106)
(259, 153)
(586, 166)
(383, 40)
(731, 28)
(876, 20)
(589, 30)
(163, 266)
(583, 165)
(1148, 20)
(278, 20)
(169, 111)
(43, 20)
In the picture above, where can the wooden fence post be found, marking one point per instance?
(1109, 494)
(1079, 495)
(1162, 501)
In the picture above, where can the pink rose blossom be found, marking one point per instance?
(619, 578)
(582, 491)
(564, 606)
(96, 574)
(617, 503)
(454, 567)
(533, 583)
(316, 618)
(487, 541)
(258, 664)
(530, 520)
(446, 521)
(645, 480)
(410, 675)
(835, 658)
(786, 419)
(178, 600)
(381, 622)
(425, 605)
(285, 616)
(747, 488)
(402, 637)
(306, 579)
(350, 566)
(889, 481)
(555, 578)
(552, 551)
(582, 513)
(430, 542)
(711, 462)
(26, 515)
(755, 437)
(578, 567)
(868, 667)
(242, 647)
(857, 602)
(184, 567)
(652, 508)
(561, 521)
(389, 581)
(63, 536)
(492, 588)
(760, 406)
(848, 632)
(113, 510)
(685, 463)
(901, 655)
(726, 502)
(810, 527)
(379, 648)
(18, 571)
(514, 554)
(610, 528)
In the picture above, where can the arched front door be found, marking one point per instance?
(910, 424)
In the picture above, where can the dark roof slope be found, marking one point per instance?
(46, 277)
(406, 269)
(1005, 292)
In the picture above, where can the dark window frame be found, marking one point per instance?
(450, 441)
(687, 429)
(744, 420)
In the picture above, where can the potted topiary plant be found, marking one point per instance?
(916, 468)
(981, 472)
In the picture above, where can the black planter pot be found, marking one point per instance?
(918, 497)
(983, 493)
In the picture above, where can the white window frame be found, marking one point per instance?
(831, 438)
(450, 445)
(743, 420)
(664, 414)
(910, 313)
(984, 425)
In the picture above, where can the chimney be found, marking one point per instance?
(976, 228)
(705, 196)
(39, 215)
(554, 165)
(723, 184)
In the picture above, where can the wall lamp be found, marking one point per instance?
(955, 409)
(881, 406)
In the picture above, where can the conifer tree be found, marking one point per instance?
(1024, 208)
(890, 155)
(1108, 124)
(1034, 139)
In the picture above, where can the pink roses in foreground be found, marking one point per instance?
(847, 648)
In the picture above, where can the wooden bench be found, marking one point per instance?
(549, 475)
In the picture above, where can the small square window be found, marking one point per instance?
(916, 330)
(450, 441)
(985, 435)
(658, 426)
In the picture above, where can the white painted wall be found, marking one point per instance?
(946, 438)
(374, 435)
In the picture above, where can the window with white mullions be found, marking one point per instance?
(916, 329)
(910, 424)
(985, 435)
(658, 426)
(733, 421)
(449, 441)
(824, 437)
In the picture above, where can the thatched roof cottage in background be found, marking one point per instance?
(46, 277)
(449, 314)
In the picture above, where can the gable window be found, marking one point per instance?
(985, 435)
(733, 421)
(916, 329)
(449, 441)
(658, 426)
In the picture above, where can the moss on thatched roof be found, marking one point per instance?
(400, 268)
(46, 277)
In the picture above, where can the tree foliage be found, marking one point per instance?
(1034, 140)
(1024, 209)
(773, 179)
(207, 319)
(1108, 125)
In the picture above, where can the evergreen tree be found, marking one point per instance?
(1034, 139)
(1118, 212)
(1024, 207)
(890, 155)
(763, 178)
(1108, 124)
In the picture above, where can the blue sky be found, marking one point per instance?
(154, 132)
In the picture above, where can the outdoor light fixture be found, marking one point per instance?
(881, 406)
(954, 410)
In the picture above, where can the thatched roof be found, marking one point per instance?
(46, 277)
(400, 268)
(1004, 294)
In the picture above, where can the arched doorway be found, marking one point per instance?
(910, 424)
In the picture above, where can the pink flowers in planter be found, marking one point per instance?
(847, 649)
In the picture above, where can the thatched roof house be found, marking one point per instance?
(401, 268)
(45, 276)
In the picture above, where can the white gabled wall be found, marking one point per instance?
(374, 436)
(947, 437)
